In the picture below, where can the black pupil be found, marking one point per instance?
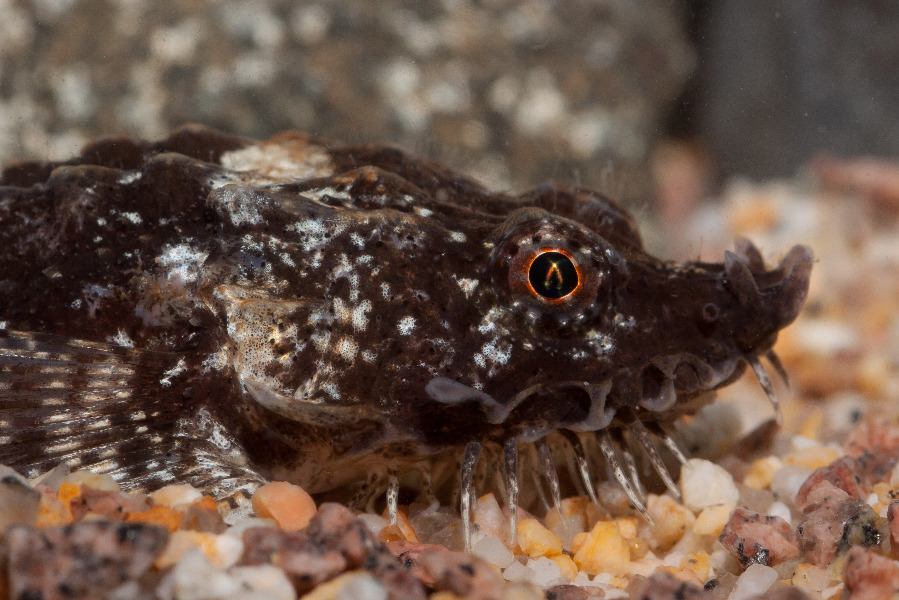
(553, 275)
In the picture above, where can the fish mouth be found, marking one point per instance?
(593, 418)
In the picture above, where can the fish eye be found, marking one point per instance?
(552, 275)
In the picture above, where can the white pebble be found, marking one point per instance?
(241, 525)
(779, 509)
(265, 581)
(193, 578)
(175, 494)
(373, 523)
(493, 551)
(754, 581)
(787, 480)
(518, 572)
(364, 587)
(567, 527)
(705, 484)
(546, 572)
(490, 518)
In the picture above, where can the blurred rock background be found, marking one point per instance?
(514, 92)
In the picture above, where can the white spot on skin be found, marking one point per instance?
(314, 232)
(457, 236)
(385, 290)
(359, 317)
(121, 339)
(601, 342)
(242, 205)
(406, 325)
(357, 240)
(424, 212)
(182, 262)
(467, 286)
(132, 217)
(216, 362)
(287, 260)
(487, 325)
(346, 348)
(497, 352)
(330, 388)
(166, 380)
(625, 323)
(318, 194)
(369, 356)
(128, 177)
(321, 339)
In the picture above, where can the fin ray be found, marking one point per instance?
(114, 410)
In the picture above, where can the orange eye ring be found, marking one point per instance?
(553, 275)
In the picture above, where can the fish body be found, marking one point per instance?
(225, 311)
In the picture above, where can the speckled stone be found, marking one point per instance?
(512, 91)
(832, 522)
(462, 574)
(756, 538)
(662, 586)
(870, 576)
(84, 560)
(334, 542)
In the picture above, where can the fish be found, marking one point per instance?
(212, 309)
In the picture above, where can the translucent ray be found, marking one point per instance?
(611, 456)
(469, 462)
(427, 484)
(667, 437)
(765, 382)
(580, 456)
(510, 470)
(640, 432)
(393, 494)
(549, 470)
(631, 465)
(774, 359)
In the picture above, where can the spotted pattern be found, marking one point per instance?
(230, 311)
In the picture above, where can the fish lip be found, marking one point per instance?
(603, 406)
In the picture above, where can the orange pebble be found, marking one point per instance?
(164, 516)
(289, 505)
(207, 502)
(392, 533)
(53, 512)
(68, 492)
(404, 525)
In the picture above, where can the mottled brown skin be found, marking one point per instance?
(356, 308)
